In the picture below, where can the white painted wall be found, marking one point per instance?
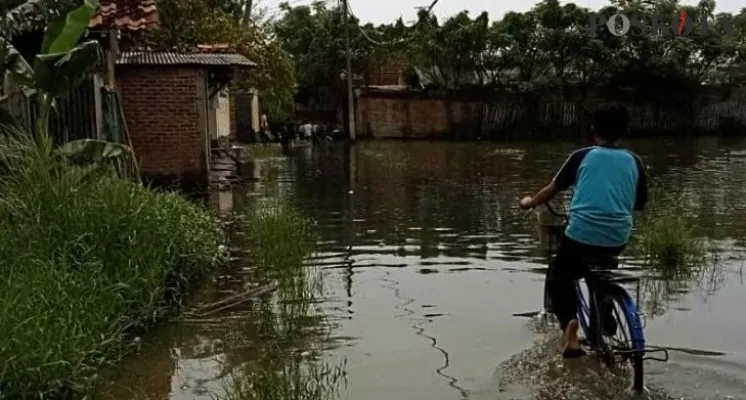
(223, 115)
(255, 111)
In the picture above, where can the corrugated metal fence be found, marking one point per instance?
(75, 116)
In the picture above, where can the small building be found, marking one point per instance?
(175, 106)
(170, 107)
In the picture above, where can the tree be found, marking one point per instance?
(548, 44)
(188, 23)
(453, 52)
(314, 36)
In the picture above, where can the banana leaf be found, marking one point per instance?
(17, 69)
(91, 151)
(64, 34)
(55, 73)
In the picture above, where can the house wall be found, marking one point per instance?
(407, 113)
(164, 109)
(388, 72)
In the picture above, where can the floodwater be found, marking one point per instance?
(424, 262)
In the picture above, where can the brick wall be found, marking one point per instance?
(408, 113)
(386, 73)
(162, 107)
(384, 117)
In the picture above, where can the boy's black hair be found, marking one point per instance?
(610, 121)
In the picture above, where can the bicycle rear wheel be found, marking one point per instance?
(621, 333)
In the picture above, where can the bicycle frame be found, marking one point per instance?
(588, 316)
(588, 312)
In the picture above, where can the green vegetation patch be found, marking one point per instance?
(667, 236)
(88, 258)
(290, 365)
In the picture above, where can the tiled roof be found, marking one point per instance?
(131, 15)
(122, 14)
(167, 58)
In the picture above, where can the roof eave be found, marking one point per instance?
(175, 59)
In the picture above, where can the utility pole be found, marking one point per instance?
(247, 11)
(348, 55)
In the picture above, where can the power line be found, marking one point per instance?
(398, 41)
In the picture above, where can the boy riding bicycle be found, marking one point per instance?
(609, 184)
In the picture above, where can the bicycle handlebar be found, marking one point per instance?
(552, 210)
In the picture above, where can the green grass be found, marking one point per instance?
(291, 377)
(88, 260)
(667, 236)
(281, 237)
(675, 254)
(281, 241)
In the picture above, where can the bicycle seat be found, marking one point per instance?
(601, 262)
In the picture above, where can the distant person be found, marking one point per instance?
(609, 184)
(307, 130)
(265, 133)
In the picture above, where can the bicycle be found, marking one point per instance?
(604, 292)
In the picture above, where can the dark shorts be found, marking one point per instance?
(568, 266)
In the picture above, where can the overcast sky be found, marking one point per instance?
(385, 11)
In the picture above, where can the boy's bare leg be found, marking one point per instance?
(571, 342)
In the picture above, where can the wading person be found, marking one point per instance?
(609, 184)
(265, 134)
(307, 131)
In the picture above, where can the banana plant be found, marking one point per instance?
(84, 151)
(63, 62)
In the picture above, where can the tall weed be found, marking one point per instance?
(88, 258)
(281, 241)
(667, 236)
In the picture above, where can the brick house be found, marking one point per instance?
(175, 105)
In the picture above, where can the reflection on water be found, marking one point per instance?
(261, 334)
(291, 364)
(425, 260)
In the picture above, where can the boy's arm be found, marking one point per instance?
(564, 179)
(541, 197)
(641, 197)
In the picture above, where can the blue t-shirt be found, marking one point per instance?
(609, 184)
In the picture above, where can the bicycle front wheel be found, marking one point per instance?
(622, 337)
